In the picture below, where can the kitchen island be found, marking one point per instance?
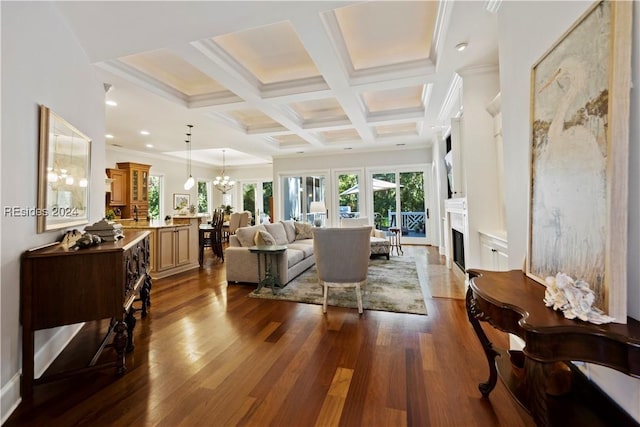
(174, 244)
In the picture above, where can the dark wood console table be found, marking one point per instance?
(61, 287)
(512, 302)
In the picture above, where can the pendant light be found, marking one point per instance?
(190, 181)
(223, 182)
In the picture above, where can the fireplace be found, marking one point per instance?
(456, 229)
(458, 248)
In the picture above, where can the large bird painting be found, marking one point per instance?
(569, 155)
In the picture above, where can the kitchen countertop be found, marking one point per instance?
(144, 224)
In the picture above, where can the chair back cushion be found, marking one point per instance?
(342, 254)
(234, 222)
(244, 218)
(356, 222)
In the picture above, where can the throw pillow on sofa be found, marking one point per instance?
(290, 229)
(263, 238)
(303, 231)
(277, 231)
(246, 235)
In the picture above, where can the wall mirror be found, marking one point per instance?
(63, 174)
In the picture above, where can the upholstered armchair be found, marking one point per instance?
(380, 245)
(342, 259)
(234, 222)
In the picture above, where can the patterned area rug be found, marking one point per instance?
(392, 285)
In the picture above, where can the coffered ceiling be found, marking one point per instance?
(271, 79)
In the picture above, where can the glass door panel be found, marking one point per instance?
(412, 204)
(348, 196)
(249, 198)
(297, 194)
(267, 202)
(292, 198)
(384, 200)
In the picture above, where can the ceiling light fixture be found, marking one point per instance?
(108, 136)
(190, 181)
(111, 103)
(144, 132)
(223, 182)
(461, 46)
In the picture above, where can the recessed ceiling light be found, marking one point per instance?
(348, 148)
(108, 136)
(149, 145)
(144, 132)
(461, 46)
(111, 103)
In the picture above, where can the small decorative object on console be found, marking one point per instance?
(574, 298)
(108, 231)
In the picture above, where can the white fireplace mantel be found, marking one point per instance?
(455, 218)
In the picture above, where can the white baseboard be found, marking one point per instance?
(10, 393)
(53, 347)
(9, 397)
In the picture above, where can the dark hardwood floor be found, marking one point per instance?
(207, 355)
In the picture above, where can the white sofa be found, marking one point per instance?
(242, 265)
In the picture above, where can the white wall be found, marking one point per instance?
(479, 157)
(438, 151)
(42, 63)
(523, 39)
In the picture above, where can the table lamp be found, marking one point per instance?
(316, 208)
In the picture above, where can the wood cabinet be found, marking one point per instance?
(173, 247)
(62, 287)
(136, 189)
(117, 196)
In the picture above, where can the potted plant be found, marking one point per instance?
(228, 210)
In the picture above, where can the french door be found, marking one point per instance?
(400, 200)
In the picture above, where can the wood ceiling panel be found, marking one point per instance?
(319, 109)
(396, 129)
(340, 135)
(290, 140)
(384, 33)
(273, 53)
(252, 118)
(393, 99)
(173, 71)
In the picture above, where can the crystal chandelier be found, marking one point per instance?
(190, 181)
(223, 182)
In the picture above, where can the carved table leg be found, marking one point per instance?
(145, 295)
(130, 320)
(120, 345)
(475, 315)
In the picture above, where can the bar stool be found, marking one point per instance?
(394, 239)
